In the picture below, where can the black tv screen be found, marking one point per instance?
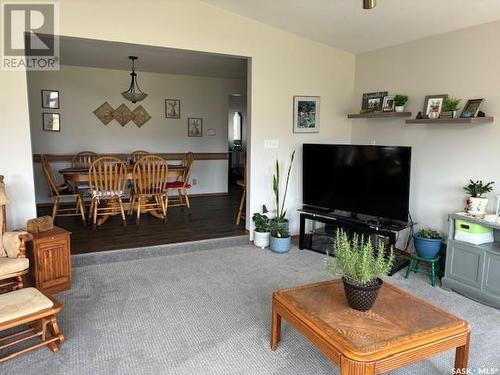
(370, 180)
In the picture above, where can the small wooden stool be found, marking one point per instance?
(415, 267)
(29, 307)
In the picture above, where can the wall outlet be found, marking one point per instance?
(195, 181)
(271, 143)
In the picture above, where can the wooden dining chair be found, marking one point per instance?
(182, 184)
(150, 187)
(107, 177)
(136, 155)
(60, 192)
(83, 159)
(243, 184)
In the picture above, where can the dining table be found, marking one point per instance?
(74, 176)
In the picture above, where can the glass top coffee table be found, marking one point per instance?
(400, 328)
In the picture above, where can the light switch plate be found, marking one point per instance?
(271, 143)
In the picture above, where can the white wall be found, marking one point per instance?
(283, 65)
(83, 89)
(463, 64)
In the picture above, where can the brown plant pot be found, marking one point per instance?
(361, 297)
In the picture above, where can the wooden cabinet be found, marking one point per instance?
(50, 260)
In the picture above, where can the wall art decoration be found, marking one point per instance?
(141, 116)
(373, 101)
(471, 109)
(433, 105)
(306, 114)
(51, 122)
(123, 114)
(195, 127)
(172, 108)
(104, 113)
(50, 99)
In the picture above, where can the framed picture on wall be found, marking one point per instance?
(172, 108)
(51, 122)
(50, 99)
(373, 101)
(195, 127)
(433, 105)
(306, 114)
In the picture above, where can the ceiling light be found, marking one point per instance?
(134, 93)
(369, 4)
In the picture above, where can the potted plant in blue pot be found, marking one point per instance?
(280, 235)
(427, 243)
(280, 238)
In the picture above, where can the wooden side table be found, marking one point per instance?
(50, 260)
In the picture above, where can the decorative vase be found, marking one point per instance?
(261, 239)
(433, 115)
(360, 297)
(399, 108)
(426, 247)
(281, 244)
(476, 206)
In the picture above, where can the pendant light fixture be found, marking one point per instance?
(134, 93)
(369, 4)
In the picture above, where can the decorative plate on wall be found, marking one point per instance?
(104, 113)
(141, 116)
(123, 114)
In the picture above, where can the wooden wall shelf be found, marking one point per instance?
(474, 120)
(379, 115)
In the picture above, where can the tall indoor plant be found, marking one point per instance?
(280, 235)
(361, 267)
(476, 202)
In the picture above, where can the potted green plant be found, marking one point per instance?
(399, 102)
(427, 243)
(361, 267)
(476, 203)
(280, 238)
(279, 224)
(450, 107)
(261, 232)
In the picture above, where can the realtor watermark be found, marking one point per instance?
(476, 371)
(30, 35)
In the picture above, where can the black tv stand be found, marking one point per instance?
(321, 240)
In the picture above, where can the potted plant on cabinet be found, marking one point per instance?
(280, 238)
(476, 203)
(361, 267)
(450, 107)
(261, 232)
(279, 224)
(399, 102)
(427, 243)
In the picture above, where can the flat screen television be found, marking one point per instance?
(360, 179)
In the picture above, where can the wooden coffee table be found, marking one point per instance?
(400, 329)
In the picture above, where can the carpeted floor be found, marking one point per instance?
(209, 312)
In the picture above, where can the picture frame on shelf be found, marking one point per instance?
(433, 105)
(51, 122)
(306, 114)
(471, 109)
(373, 101)
(195, 127)
(173, 108)
(50, 99)
(388, 103)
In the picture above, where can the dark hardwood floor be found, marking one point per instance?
(209, 217)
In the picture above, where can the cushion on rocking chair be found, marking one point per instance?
(9, 266)
(177, 185)
(22, 302)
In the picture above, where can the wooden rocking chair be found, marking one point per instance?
(13, 262)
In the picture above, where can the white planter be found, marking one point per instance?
(399, 108)
(476, 206)
(261, 239)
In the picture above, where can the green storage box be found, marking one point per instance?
(474, 233)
